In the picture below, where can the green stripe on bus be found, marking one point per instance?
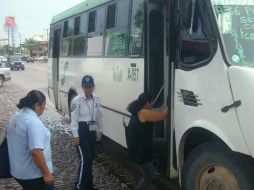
(82, 7)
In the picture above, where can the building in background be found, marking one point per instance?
(43, 45)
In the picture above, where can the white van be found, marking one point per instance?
(4, 74)
(3, 59)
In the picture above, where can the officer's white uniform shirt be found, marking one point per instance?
(83, 109)
(25, 132)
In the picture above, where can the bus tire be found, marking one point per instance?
(212, 165)
(1, 81)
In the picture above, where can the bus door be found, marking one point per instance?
(157, 75)
(55, 64)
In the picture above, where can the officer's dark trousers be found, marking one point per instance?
(34, 184)
(86, 152)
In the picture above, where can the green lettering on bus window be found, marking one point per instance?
(117, 43)
(133, 74)
(236, 22)
(235, 2)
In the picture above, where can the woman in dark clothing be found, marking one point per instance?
(139, 136)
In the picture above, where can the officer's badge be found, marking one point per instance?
(73, 106)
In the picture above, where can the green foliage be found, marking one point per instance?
(31, 44)
(6, 49)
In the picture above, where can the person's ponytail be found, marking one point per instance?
(31, 99)
(133, 107)
(138, 104)
(22, 103)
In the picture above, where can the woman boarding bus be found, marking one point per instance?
(194, 56)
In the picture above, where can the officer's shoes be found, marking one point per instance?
(80, 188)
(91, 188)
(75, 188)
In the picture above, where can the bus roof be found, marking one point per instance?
(79, 8)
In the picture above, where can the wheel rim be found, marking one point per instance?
(216, 177)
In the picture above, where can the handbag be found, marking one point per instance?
(4, 160)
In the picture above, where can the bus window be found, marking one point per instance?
(194, 44)
(100, 19)
(116, 43)
(91, 22)
(65, 28)
(186, 13)
(122, 18)
(80, 42)
(51, 40)
(95, 39)
(70, 27)
(135, 46)
(77, 25)
(111, 16)
(116, 38)
(67, 47)
(83, 23)
(235, 23)
(79, 45)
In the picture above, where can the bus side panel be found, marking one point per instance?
(70, 75)
(50, 81)
(118, 81)
(209, 85)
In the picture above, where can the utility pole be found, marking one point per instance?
(8, 30)
(20, 44)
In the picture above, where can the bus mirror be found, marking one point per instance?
(186, 12)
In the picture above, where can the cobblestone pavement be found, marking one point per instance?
(64, 155)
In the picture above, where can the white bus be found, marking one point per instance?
(195, 56)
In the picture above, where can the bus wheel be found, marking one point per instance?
(1, 81)
(213, 166)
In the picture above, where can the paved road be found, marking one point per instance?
(33, 77)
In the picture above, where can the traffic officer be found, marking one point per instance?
(86, 126)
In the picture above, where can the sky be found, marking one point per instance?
(32, 17)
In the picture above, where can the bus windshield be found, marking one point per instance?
(235, 19)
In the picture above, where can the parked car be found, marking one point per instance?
(42, 59)
(16, 63)
(4, 75)
(3, 59)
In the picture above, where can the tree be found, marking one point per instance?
(32, 45)
(138, 17)
(6, 49)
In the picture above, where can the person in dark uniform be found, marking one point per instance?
(86, 125)
(139, 136)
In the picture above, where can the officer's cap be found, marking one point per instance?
(87, 81)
